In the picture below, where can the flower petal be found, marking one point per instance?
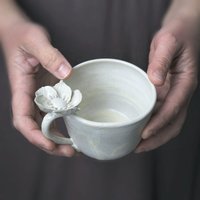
(44, 103)
(47, 91)
(75, 100)
(63, 90)
(59, 104)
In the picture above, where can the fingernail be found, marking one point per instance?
(63, 71)
(32, 61)
(158, 75)
(147, 134)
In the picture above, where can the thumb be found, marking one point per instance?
(49, 57)
(162, 53)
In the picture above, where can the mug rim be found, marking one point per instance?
(124, 123)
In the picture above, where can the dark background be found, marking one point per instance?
(171, 172)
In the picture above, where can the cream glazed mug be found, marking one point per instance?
(106, 115)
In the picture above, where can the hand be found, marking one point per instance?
(26, 46)
(173, 70)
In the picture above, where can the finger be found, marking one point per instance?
(30, 130)
(37, 44)
(34, 135)
(152, 50)
(162, 92)
(161, 55)
(164, 135)
(177, 98)
(62, 150)
(32, 61)
(24, 120)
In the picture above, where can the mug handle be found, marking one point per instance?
(46, 124)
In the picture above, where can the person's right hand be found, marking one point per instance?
(30, 57)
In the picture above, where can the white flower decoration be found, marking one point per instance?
(59, 98)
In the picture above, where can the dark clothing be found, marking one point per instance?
(83, 30)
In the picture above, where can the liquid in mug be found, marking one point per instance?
(109, 111)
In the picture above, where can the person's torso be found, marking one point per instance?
(87, 29)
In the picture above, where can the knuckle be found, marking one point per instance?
(33, 141)
(32, 30)
(176, 110)
(195, 84)
(48, 146)
(15, 123)
(45, 146)
(51, 59)
(177, 131)
(167, 37)
(163, 62)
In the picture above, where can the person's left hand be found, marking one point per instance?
(173, 70)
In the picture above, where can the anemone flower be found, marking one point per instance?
(59, 98)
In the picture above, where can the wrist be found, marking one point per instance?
(183, 20)
(10, 16)
(188, 10)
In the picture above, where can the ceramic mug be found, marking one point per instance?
(117, 102)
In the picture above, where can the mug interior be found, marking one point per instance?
(113, 91)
